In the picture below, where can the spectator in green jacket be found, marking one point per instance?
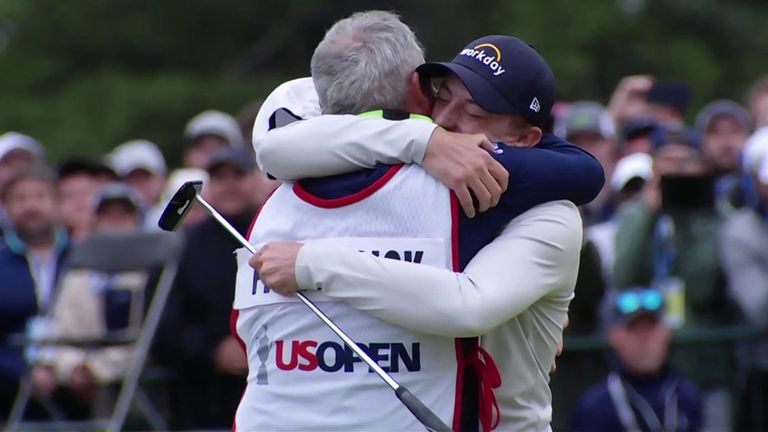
(669, 240)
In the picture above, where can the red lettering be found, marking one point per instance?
(309, 356)
(294, 359)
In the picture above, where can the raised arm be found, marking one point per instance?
(535, 256)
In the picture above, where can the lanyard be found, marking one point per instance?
(624, 397)
(664, 253)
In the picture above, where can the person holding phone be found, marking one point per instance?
(668, 239)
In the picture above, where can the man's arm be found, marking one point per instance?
(552, 170)
(537, 254)
(340, 144)
(344, 143)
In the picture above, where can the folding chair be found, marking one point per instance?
(112, 254)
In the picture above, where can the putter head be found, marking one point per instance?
(179, 205)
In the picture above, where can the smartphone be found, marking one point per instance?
(686, 192)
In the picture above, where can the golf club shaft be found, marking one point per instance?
(339, 332)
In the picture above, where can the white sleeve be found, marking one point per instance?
(536, 255)
(339, 144)
(742, 261)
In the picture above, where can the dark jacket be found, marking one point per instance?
(18, 303)
(597, 412)
(195, 320)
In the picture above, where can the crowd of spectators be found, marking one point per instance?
(675, 243)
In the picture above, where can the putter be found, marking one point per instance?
(179, 206)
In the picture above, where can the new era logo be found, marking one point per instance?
(535, 106)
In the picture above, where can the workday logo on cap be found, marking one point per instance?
(488, 54)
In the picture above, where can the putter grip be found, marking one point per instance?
(420, 411)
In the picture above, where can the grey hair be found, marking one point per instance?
(364, 62)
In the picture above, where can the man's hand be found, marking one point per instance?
(43, 381)
(553, 366)
(82, 383)
(463, 163)
(230, 358)
(276, 264)
(628, 99)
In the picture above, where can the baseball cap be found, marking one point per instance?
(216, 123)
(635, 165)
(137, 154)
(239, 158)
(117, 192)
(626, 305)
(504, 75)
(722, 107)
(297, 96)
(671, 93)
(681, 135)
(11, 141)
(762, 171)
(585, 116)
(755, 150)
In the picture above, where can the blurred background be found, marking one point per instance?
(107, 107)
(83, 76)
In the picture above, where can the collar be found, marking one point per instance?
(17, 246)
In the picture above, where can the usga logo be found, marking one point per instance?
(492, 59)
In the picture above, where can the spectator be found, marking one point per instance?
(17, 153)
(628, 179)
(195, 338)
(588, 125)
(638, 135)
(628, 101)
(177, 178)
(670, 242)
(208, 132)
(78, 185)
(667, 102)
(142, 166)
(642, 392)
(724, 127)
(745, 260)
(89, 305)
(758, 102)
(30, 260)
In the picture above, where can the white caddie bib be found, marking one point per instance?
(301, 375)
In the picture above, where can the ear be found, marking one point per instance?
(531, 137)
(415, 100)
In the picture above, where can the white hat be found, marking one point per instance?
(11, 141)
(180, 176)
(635, 165)
(762, 171)
(215, 123)
(137, 154)
(755, 150)
(298, 96)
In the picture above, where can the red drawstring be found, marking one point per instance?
(488, 379)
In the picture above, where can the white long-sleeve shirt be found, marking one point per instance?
(515, 292)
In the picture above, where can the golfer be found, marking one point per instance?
(404, 215)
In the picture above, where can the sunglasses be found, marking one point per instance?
(632, 301)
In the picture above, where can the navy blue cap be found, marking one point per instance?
(504, 75)
(676, 94)
(238, 157)
(117, 192)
